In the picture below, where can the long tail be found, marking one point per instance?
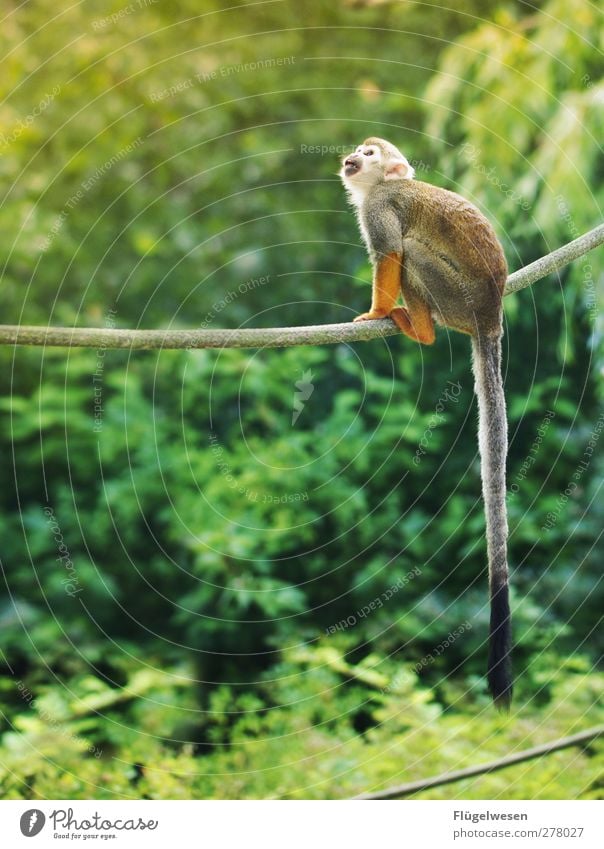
(492, 443)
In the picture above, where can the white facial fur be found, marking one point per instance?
(373, 163)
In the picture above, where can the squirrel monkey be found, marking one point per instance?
(438, 251)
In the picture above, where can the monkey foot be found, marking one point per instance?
(370, 316)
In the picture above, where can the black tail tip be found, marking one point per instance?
(500, 685)
(503, 701)
(500, 645)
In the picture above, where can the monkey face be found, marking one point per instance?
(363, 165)
(373, 161)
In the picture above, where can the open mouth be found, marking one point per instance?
(351, 166)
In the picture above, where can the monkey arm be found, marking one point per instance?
(386, 287)
(383, 235)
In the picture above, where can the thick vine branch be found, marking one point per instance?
(275, 337)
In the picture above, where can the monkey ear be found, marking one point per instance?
(399, 169)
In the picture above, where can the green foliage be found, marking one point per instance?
(212, 587)
(316, 727)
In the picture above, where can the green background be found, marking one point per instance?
(201, 598)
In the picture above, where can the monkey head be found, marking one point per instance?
(372, 162)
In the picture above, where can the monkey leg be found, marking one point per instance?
(416, 319)
(386, 288)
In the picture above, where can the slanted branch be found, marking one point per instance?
(274, 337)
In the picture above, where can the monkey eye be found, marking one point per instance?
(369, 152)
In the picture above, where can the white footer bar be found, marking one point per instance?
(303, 825)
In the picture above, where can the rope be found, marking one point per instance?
(275, 337)
(492, 766)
